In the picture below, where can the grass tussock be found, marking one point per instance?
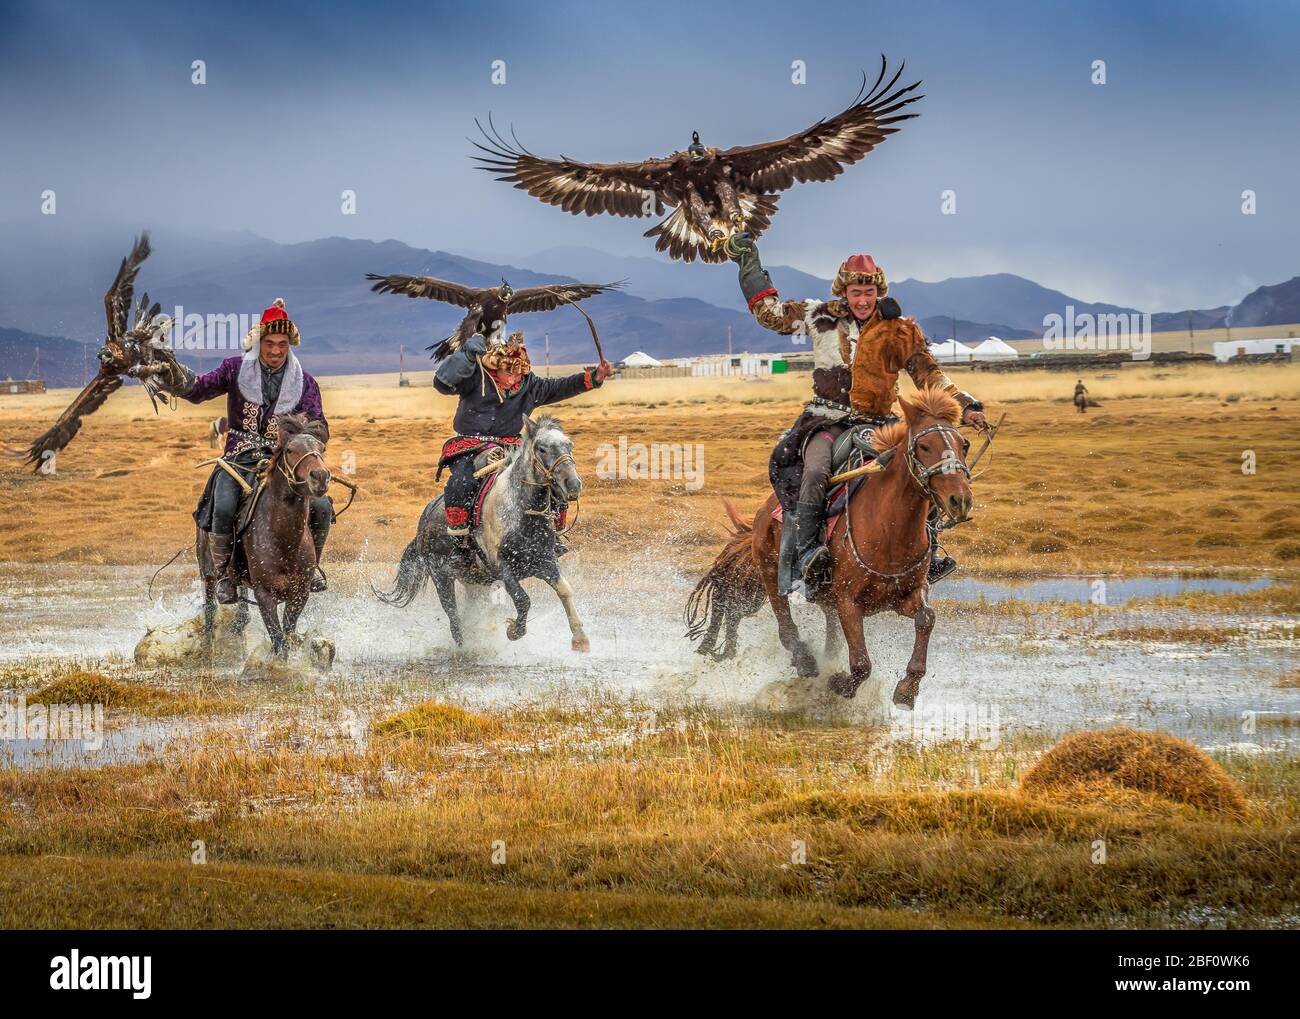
(437, 723)
(95, 688)
(1110, 764)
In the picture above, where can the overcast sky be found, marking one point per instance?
(1127, 192)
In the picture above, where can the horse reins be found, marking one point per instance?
(921, 475)
(291, 475)
(948, 463)
(549, 484)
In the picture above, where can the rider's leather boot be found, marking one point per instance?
(940, 566)
(220, 547)
(462, 552)
(813, 555)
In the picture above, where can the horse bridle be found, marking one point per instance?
(291, 473)
(948, 463)
(548, 473)
(921, 474)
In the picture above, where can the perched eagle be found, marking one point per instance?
(488, 306)
(133, 351)
(713, 191)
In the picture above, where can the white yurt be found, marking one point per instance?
(951, 350)
(640, 359)
(994, 349)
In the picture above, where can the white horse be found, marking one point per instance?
(517, 535)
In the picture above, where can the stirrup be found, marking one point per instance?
(318, 581)
(812, 561)
(940, 568)
(227, 591)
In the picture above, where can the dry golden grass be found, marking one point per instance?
(1151, 477)
(437, 723)
(137, 698)
(1091, 766)
(614, 817)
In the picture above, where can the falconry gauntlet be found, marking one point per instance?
(173, 376)
(754, 279)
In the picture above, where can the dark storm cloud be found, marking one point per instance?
(1128, 192)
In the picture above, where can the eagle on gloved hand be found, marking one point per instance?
(487, 307)
(714, 192)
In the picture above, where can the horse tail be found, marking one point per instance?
(412, 575)
(731, 589)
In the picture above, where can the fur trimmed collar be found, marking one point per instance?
(250, 382)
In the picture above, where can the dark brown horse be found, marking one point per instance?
(275, 555)
(880, 551)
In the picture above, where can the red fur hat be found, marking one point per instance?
(860, 269)
(275, 320)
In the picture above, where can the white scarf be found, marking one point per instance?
(250, 382)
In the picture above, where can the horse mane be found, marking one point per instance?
(888, 436)
(298, 424)
(932, 402)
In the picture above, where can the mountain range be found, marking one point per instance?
(52, 282)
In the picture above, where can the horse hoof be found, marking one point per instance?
(581, 644)
(905, 693)
(844, 684)
(512, 631)
(805, 664)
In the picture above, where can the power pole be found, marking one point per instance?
(728, 341)
(546, 339)
(84, 358)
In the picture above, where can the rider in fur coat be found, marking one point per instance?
(861, 343)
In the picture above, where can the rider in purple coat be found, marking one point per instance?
(260, 387)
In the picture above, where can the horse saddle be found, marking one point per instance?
(486, 459)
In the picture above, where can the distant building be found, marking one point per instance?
(22, 386)
(744, 363)
(1228, 349)
(640, 359)
(995, 349)
(952, 352)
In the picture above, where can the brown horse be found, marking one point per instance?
(880, 551)
(275, 555)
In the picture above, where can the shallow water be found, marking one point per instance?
(987, 679)
(1117, 590)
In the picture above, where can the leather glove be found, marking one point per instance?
(476, 344)
(754, 279)
(889, 308)
(174, 376)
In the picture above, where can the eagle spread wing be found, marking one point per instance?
(427, 286)
(547, 298)
(89, 400)
(117, 302)
(620, 189)
(821, 152)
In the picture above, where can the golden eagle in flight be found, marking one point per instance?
(713, 191)
(488, 306)
(135, 351)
